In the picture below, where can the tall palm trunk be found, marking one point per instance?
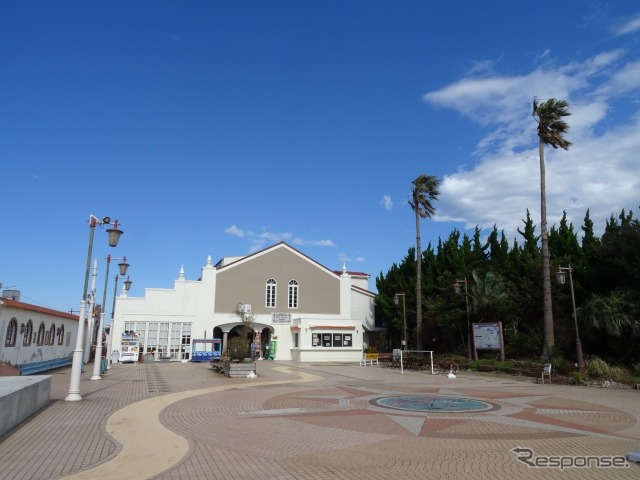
(551, 129)
(425, 189)
(418, 285)
(549, 341)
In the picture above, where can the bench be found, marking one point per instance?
(37, 367)
(217, 364)
(386, 360)
(369, 358)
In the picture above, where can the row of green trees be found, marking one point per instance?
(497, 283)
(504, 284)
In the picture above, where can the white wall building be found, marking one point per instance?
(36, 338)
(314, 313)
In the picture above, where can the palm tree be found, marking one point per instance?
(551, 130)
(488, 294)
(615, 313)
(424, 191)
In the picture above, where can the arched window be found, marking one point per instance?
(28, 332)
(293, 294)
(40, 339)
(271, 293)
(12, 332)
(61, 335)
(52, 333)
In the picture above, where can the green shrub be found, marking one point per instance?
(237, 348)
(577, 378)
(526, 344)
(598, 368)
(562, 365)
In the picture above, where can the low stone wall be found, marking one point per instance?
(238, 369)
(21, 397)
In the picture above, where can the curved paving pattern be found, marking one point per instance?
(315, 421)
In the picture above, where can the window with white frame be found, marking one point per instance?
(293, 294)
(271, 293)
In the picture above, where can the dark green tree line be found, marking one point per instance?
(504, 284)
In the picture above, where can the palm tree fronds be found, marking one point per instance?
(551, 126)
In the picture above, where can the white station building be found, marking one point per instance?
(312, 312)
(36, 338)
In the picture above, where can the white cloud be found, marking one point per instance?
(599, 172)
(386, 202)
(626, 79)
(263, 239)
(313, 243)
(346, 259)
(233, 230)
(630, 26)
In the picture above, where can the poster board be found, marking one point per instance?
(488, 336)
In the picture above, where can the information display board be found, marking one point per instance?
(488, 336)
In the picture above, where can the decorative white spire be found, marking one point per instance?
(208, 261)
(344, 268)
(181, 274)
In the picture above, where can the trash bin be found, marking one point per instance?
(114, 356)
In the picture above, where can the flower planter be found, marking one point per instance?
(237, 369)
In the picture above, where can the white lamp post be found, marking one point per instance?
(97, 359)
(456, 289)
(560, 278)
(396, 300)
(76, 366)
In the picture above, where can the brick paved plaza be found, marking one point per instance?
(320, 421)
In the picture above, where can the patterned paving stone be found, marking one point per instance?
(318, 421)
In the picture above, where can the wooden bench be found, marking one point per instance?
(385, 359)
(217, 364)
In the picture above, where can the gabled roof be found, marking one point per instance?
(363, 290)
(35, 308)
(273, 248)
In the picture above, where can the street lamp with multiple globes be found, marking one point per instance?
(127, 286)
(98, 336)
(76, 366)
(396, 300)
(560, 278)
(456, 289)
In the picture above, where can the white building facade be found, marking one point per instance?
(36, 338)
(311, 312)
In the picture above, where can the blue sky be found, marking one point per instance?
(220, 128)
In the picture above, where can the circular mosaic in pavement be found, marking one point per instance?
(428, 403)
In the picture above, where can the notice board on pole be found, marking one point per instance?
(488, 336)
